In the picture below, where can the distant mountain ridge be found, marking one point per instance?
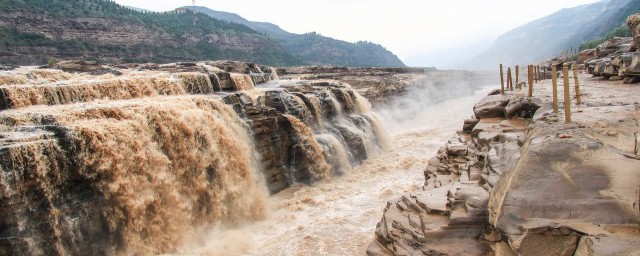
(32, 32)
(560, 31)
(313, 48)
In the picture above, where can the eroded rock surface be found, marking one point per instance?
(530, 186)
(449, 216)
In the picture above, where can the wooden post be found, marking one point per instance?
(501, 80)
(530, 71)
(567, 95)
(575, 76)
(509, 79)
(517, 74)
(554, 81)
(544, 73)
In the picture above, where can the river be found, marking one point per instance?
(339, 216)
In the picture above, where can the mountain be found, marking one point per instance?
(264, 27)
(558, 32)
(313, 48)
(32, 31)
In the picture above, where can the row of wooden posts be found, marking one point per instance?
(534, 74)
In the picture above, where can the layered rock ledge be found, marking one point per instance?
(528, 184)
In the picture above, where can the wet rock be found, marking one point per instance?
(82, 66)
(282, 148)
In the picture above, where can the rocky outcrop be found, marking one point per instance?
(449, 216)
(331, 110)
(567, 188)
(633, 22)
(134, 163)
(504, 188)
(615, 59)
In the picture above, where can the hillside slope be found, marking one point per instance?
(31, 31)
(548, 36)
(313, 48)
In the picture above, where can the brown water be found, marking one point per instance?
(168, 168)
(180, 173)
(338, 217)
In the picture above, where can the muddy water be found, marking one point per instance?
(338, 217)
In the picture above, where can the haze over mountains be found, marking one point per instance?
(34, 31)
(314, 48)
(549, 36)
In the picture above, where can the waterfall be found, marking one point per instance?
(111, 88)
(308, 155)
(242, 82)
(335, 151)
(140, 163)
(154, 169)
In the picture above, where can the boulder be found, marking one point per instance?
(522, 107)
(491, 106)
(469, 124)
(614, 45)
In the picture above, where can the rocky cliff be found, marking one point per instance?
(133, 159)
(534, 186)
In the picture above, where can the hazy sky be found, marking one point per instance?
(420, 32)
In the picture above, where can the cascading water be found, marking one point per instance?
(183, 160)
(144, 174)
(151, 162)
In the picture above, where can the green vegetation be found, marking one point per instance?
(317, 50)
(180, 25)
(622, 31)
(182, 35)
